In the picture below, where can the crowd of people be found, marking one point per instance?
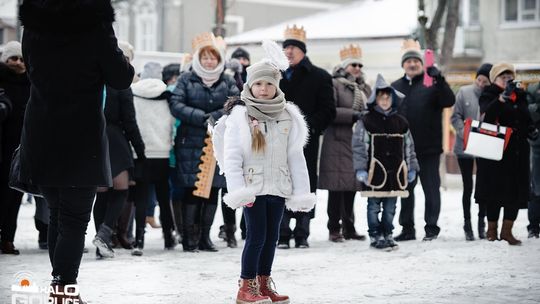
(111, 143)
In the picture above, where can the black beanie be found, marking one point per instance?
(484, 70)
(240, 53)
(296, 43)
(170, 70)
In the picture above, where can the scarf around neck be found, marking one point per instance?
(263, 109)
(209, 77)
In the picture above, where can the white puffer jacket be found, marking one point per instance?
(153, 117)
(281, 170)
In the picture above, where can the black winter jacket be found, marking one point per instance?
(423, 107)
(71, 53)
(311, 89)
(5, 109)
(193, 103)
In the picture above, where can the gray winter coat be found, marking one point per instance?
(466, 107)
(336, 172)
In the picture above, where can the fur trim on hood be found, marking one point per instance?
(69, 17)
(149, 88)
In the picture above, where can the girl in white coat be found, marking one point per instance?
(259, 146)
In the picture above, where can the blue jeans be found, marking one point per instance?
(262, 223)
(383, 226)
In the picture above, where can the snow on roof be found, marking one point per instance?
(361, 19)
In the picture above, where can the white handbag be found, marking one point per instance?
(485, 140)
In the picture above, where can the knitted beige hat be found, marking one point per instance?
(500, 68)
(12, 48)
(263, 70)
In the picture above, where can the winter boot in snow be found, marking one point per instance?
(407, 234)
(492, 231)
(336, 237)
(208, 213)
(249, 293)
(481, 228)
(229, 236)
(190, 240)
(267, 289)
(57, 292)
(170, 239)
(469, 236)
(506, 233)
(139, 243)
(103, 241)
(390, 242)
(221, 233)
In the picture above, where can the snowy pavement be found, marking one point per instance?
(447, 270)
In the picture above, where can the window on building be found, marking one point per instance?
(469, 12)
(2, 41)
(521, 11)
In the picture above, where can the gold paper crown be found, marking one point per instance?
(295, 33)
(221, 44)
(202, 40)
(350, 51)
(410, 44)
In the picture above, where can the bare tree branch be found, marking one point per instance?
(431, 33)
(452, 20)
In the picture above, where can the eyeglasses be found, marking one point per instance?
(356, 65)
(16, 58)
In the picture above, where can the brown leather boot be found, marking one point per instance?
(9, 248)
(491, 233)
(266, 288)
(249, 293)
(506, 233)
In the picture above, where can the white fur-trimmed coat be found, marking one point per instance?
(232, 148)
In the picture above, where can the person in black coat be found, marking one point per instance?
(5, 109)
(423, 108)
(311, 88)
(14, 81)
(64, 146)
(505, 183)
(199, 95)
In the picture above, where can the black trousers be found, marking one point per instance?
(70, 209)
(494, 210)
(341, 207)
(466, 166)
(158, 176)
(431, 182)
(10, 202)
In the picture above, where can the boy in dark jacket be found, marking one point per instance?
(384, 160)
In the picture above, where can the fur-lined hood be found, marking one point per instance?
(61, 16)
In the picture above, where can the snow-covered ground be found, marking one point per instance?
(448, 270)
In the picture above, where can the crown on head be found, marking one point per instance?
(202, 40)
(220, 44)
(295, 33)
(350, 51)
(410, 44)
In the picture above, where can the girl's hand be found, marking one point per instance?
(249, 205)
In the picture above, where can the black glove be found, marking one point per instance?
(140, 153)
(434, 72)
(356, 116)
(532, 133)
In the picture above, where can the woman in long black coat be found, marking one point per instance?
(198, 96)
(71, 53)
(505, 183)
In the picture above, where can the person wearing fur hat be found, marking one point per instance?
(64, 142)
(14, 81)
(422, 107)
(505, 183)
(384, 160)
(310, 88)
(259, 145)
(156, 124)
(336, 168)
(199, 96)
(467, 107)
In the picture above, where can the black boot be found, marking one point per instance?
(103, 241)
(481, 228)
(190, 240)
(139, 243)
(407, 234)
(230, 238)
(207, 218)
(469, 236)
(177, 216)
(170, 239)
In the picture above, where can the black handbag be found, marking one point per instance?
(14, 176)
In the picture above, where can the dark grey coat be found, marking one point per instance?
(336, 172)
(466, 107)
(193, 102)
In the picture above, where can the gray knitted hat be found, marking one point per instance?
(12, 48)
(411, 53)
(152, 70)
(263, 70)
